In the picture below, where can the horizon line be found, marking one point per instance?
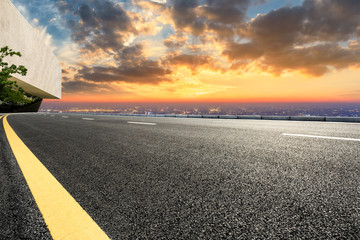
(224, 102)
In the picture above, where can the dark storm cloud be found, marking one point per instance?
(302, 38)
(98, 24)
(133, 68)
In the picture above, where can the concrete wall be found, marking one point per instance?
(43, 78)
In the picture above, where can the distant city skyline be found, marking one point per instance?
(266, 109)
(202, 50)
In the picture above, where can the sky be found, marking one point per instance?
(202, 50)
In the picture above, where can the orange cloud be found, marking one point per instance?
(192, 50)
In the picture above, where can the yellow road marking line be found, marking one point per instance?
(65, 218)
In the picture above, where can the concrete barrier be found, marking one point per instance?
(195, 116)
(248, 116)
(307, 118)
(275, 117)
(228, 116)
(210, 116)
(343, 119)
(292, 118)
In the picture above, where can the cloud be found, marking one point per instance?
(68, 53)
(313, 38)
(64, 7)
(315, 60)
(176, 40)
(304, 38)
(222, 17)
(98, 24)
(277, 29)
(244, 51)
(132, 67)
(193, 62)
(331, 20)
(147, 73)
(225, 11)
(184, 15)
(83, 87)
(200, 17)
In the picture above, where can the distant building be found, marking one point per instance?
(43, 78)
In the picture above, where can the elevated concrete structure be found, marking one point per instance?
(43, 78)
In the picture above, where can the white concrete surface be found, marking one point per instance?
(43, 78)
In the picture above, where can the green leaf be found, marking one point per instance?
(10, 92)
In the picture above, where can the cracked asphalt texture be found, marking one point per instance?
(202, 178)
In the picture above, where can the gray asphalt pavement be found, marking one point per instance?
(202, 178)
(19, 216)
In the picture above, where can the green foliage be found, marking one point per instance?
(10, 92)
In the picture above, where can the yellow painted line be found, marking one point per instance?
(65, 218)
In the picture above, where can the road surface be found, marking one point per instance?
(170, 178)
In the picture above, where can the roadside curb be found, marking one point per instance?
(251, 117)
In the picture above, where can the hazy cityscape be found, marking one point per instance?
(266, 109)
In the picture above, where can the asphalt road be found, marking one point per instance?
(195, 178)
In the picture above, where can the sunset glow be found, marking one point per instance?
(203, 51)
